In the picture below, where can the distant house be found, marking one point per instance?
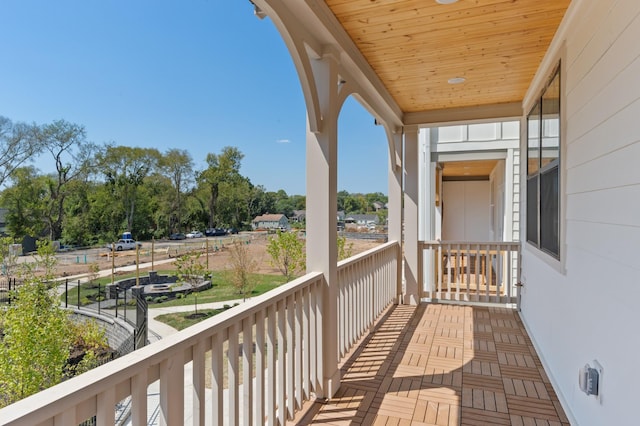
(378, 205)
(362, 219)
(270, 221)
(299, 216)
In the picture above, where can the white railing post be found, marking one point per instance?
(172, 390)
(217, 378)
(233, 375)
(139, 398)
(272, 382)
(247, 371)
(259, 401)
(198, 378)
(106, 400)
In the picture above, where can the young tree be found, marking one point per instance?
(242, 266)
(36, 335)
(191, 271)
(344, 250)
(36, 342)
(8, 259)
(287, 253)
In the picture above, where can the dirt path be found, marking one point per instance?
(218, 259)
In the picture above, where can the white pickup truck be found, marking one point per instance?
(124, 244)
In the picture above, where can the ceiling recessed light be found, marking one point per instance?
(456, 80)
(446, 1)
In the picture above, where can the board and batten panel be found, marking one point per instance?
(588, 310)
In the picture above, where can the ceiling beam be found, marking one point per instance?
(477, 114)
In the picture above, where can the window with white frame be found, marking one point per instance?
(543, 170)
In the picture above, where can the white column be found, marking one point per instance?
(411, 195)
(426, 200)
(426, 205)
(395, 198)
(322, 188)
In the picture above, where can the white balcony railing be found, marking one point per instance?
(470, 271)
(368, 284)
(253, 364)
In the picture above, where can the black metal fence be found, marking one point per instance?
(93, 297)
(7, 286)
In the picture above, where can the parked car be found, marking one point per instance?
(124, 244)
(177, 236)
(215, 232)
(232, 231)
(194, 234)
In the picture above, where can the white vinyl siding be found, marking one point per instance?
(587, 310)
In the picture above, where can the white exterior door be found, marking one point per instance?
(466, 211)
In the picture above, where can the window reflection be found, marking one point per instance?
(551, 122)
(533, 140)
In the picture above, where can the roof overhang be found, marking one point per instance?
(400, 55)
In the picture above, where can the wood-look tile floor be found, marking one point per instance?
(443, 365)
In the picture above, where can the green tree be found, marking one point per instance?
(105, 214)
(89, 338)
(24, 203)
(242, 266)
(35, 346)
(345, 250)
(284, 204)
(221, 168)
(341, 198)
(259, 202)
(125, 170)
(299, 202)
(8, 258)
(287, 253)
(37, 335)
(191, 271)
(77, 228)
(160, 217)
(231, 201)
(383, 214)
(18, 144)
(73, 156)
(177, 165)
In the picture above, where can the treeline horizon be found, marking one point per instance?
(96, 192)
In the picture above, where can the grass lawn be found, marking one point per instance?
(182, 320)
(222, 289)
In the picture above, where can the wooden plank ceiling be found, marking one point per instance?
(416, 46)
(468, 169)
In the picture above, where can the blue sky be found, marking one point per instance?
(195, 74)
